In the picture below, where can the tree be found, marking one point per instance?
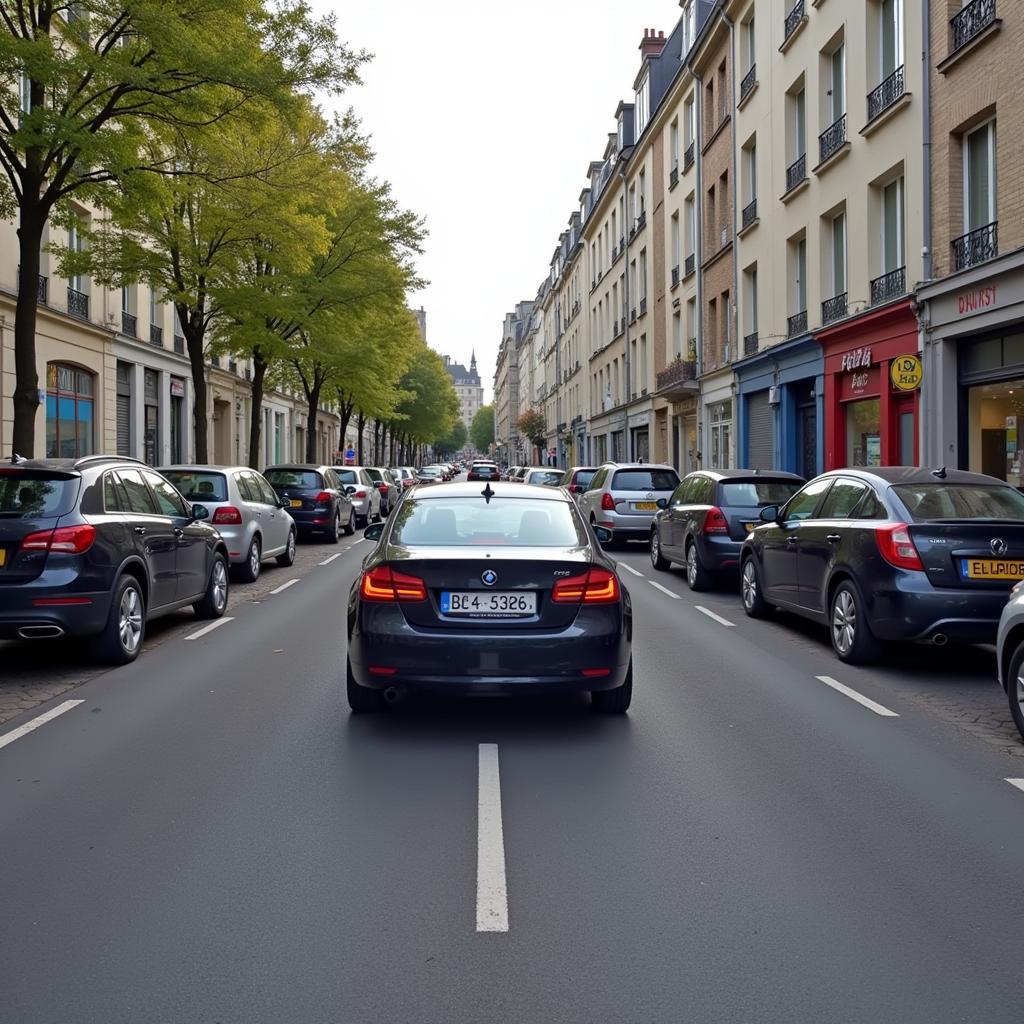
(533, 425)
(481, 432)
(84, 86)
(453, 441)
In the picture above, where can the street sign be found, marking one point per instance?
(906, 373)
(350, 457)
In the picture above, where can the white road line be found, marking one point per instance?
(491, 888)
(629, 568)
(711, 615)
(284, 586)
(1019, 783)
(858, 697)
(327, 561)
(664, 590)
(210, 628)
(46, 716)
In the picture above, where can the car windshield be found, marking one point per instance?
(645, 480)
(197, 485)
(294, 478)
(430, 471)
(584, 476)
(545, 477)
(29, 494)
(751, 493)
(505, 522)
(347, 476)
(961, 501)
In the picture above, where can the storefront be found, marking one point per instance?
(870, 419)
(779, 405)
(973, 343)
(717, 447)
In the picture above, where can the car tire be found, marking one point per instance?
(361, 699)
(697, 577)
(1015, 688)
(848, 628)
(287, 557)
(121, 639)
(362, 522)
(658, 560)
(751, 591)
(249, 570)
(334, 530)
(350, 526)
(617, 701)
(214, 602)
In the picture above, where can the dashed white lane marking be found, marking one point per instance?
(629, 568)
(711, 615)
(327, 561)
(284, 587)
(491, 887)
(210, 628)
(664, 590)
(46, 716)
(1019, 783)
(858, 697)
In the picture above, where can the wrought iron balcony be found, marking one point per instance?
(889, 286)
(750, 344)
(749, 213)
(976, 246)
(677, 374)
(886, 94)
(179, 344)
(129, 324)
(156, 335)
(796, 172)
(793, 19)
(832, 139)
(688, 157)
(675, 275)
(971, 21)
(690, 265)
(748, 82)
(78, 303)
(673, 176)
(797, 323)
(833, 309)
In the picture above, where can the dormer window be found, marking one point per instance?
(689, 26)
(622, 133)
(642, 110)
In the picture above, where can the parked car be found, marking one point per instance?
(1010, 654)
(387, 486)
(709, 516)
(577, 479)
(429, 475)
(544, 477)
(511, 594)
(624, 497)
(404, 475)
(246, 511)
(317, 498)
(483, 471)
(359, 486)
(889, 554)
(98, 547)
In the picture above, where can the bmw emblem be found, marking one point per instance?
(490, 577)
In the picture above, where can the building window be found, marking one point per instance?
(750, 171)
(890, 36)
(676, 243)
(750, 295)
(674, 145)
(749, 50)
(70, 412)
(689, 25)
(689, 123)
(720, 416)
(835, 96)
(892, 226)
(642, 190)
(799, 124)
(76, 243)
(980, 177)
(151, 405)
(643, 94)
(838, 254)
(677, 335)
(691, 229)
(643, 275)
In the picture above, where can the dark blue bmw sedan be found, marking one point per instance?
(488, 589)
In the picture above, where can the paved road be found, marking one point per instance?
(210, 837)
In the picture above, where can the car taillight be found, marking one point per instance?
(68, 540)
(323, 498)
(896, 546)
(596, 586)
(382, 487)
(227, 515)
(384, 584)
(607, 503)
(715, 521)
(359, 494)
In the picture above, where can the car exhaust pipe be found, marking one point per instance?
(40, 632)
(940, 639)
(393, 694)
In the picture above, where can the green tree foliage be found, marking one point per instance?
(452, 442)
(481, 432)
(429, 407)
(532, 425)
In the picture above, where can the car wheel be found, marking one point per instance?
(848, 627)
(1015, 688)
(751, 592)
(121, 639)
(215, 601)
(617, 701)
(361, 699)
(350, 526)
(658, 560)
(249, 571)
(362, 522)
(287, 557)
(697, 576)
(334, 530)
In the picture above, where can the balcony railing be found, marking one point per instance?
(750, 344)
(750, 213)
(78, 303)
(129, 324)
(641, 220)
(748, 82)
(886, 94)
(797, 323)
(679, 371)
(675, 275)
(690, 265)
(833, 309)
(793, 19)
(889, 286)
(673, 176)
(832, 139)
(179, 344)
(971, 21)
(796, 172)
(688, 157)
(976, 246)
(156, 335)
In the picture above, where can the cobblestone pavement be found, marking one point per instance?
(31, 673)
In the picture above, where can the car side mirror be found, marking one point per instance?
(200, 512)
(769, 514)
(603, 534)
(663, 503)
(284, 503)
(374, 532)
(349, 489)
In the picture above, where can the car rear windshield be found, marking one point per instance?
(31, 494)
(583, 477)
(961, 501)
(546, 478)
(486, 471)
(750, 493)
(375, 474)
(347, 476)
(645, 480)
(198, 485)
(502, 522)
(293, 478)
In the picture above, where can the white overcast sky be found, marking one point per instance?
(484, 117)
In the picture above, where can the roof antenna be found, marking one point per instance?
(487, 493)
(940, 473)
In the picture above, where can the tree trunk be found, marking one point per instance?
(360, 424)
(26, 376)
(391, 447)
(195, 344)
(259, 373)
(313, 404)
(376, 442)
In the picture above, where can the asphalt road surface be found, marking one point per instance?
(208, 836)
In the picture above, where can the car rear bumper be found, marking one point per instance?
(306, 519)
(21, 617)
(720, 554)
(237, 540)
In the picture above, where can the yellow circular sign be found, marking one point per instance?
(906, 373)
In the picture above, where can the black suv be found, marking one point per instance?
(317, 499)
(97, 547)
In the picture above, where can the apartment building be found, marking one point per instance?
(506, 383)
(973, 306)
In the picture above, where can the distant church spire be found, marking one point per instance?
(472, 360)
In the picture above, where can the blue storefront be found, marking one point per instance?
(780, 408)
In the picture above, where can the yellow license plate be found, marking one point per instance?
(3, 556)
(296, 503)
(992, 569)
(646, 506)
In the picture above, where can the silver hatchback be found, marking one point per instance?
(244, 510)
(366, 499)
(625, 497)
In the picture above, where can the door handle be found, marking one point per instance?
(140, 530)
(791, 540)
(833, 538)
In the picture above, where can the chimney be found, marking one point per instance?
(652, 44)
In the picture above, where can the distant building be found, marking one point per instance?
(421, 320)
(467, 387)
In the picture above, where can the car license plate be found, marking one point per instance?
(296, 503)
(645, 506)
(3, 557)
(488, 605)
(991, 569)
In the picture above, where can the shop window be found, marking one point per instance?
(151, 406)
(864, 433)
(995, 415)
(70, 412)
